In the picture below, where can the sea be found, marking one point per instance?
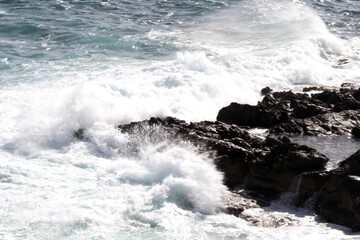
(94, 64)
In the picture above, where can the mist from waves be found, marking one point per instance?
(115, 186)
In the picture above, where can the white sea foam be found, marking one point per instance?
(108, 186)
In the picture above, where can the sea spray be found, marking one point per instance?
(69, 65)
(289, 198)
(172, 169)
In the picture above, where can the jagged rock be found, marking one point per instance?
(339, 100)
(247, 115)
(301, 110)
(356, 94)
(267, 166)
(328, 112)
(266, 91)
(249, 208)
(233, 145)
(329, 123)
(281, 165)
(262, 218)
(355, 132)
(343, 61)
(272, 110)
(335, 194)
(236, 203)
(351, 165)
(314, 88)
(309, 187)
(339, 200)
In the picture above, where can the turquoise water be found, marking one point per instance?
(66, 65)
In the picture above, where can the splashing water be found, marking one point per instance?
(67, 65)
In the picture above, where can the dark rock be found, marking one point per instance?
(356, 94)
(339, 200)
(236, 203)
(328, 112)
(339, 100)
(351, 165)
(335, 194)
(345, 87)
(314, 88)
(267, 166)
(247, 115)
(329, 123)
(328, 97)
(307, 110)
(233, 146)
(310, 186)
(283, 163)
(270, 166)
(273, 109)
(80, 134)
(355, 132)
(343, 61)
(347, 103)
(266, 91)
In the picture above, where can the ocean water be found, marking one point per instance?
(94, 64)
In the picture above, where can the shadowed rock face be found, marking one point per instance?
(339, 200)
(267, 166)
(339, 196)
(325, 113)
(335, 195)
(351, 165)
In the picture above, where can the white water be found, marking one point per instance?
(55, 187)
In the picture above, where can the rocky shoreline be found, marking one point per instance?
(268, 166)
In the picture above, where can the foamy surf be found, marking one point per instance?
(96, 70)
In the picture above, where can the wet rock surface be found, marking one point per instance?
(236, 203)
(269, 166)
(338, 194)
(248, 206)
(334, 195)
(332, 111)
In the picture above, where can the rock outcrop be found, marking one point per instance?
(334, 195)
(328, 112)
(338, 200)
(267, 166)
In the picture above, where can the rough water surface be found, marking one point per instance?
(94, 64)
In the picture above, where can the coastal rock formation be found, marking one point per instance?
(267, 166)
(339, 200)
(339, 197)
(335, 194)
(328, 112)
(276, 172)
